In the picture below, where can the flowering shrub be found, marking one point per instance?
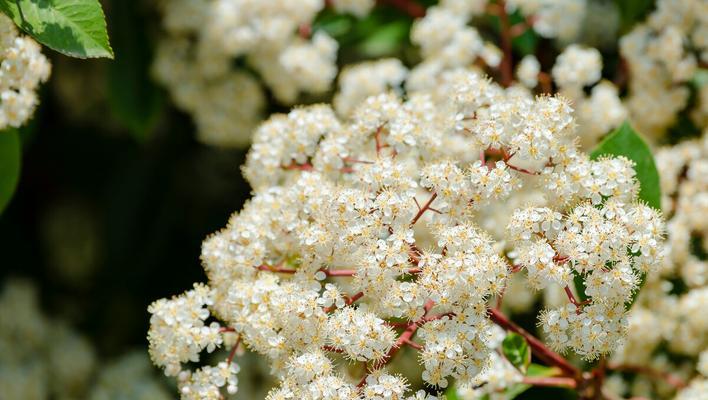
(382, 209)
(452, 199)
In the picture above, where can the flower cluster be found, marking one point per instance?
(22, 68)
(669, 313)
(363, 232)
(194, 60)
(560, 19)
(662, 55)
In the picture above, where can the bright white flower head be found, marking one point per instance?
(22, 68)
(577, 67)
(363, 225)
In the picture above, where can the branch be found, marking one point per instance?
(410, 7)
(551, 381)
(507, 63)
(538, 348)
(232, 354)
(425, 207)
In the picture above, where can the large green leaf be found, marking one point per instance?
(625, 141)
(10, 156)
(133, 97)
(76, 28)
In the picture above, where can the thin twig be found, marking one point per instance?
(425, 207)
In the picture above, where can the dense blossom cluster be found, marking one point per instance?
(662, 55)
(22, 68)
(358, 224)
(670, 311)
(204, 38)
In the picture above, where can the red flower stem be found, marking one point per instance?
(299, 167)
(546, 82)
(539, 349)
(522, 170)
(332, 349)
(413, 344)
(232, 354)
(424, 208)
(349, 301)
(571, 296)
(377, 139)
(551, 381)
(507, 62)
(410, 7)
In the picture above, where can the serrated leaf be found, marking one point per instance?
(625, 141)
(517, 351)
(76, 28)
(10, 158)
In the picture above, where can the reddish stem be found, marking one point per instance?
(546, 82)
(348, 301)
(305, 31)
(299, 167)
(507, 62)
(552, 381)
(538, 348)
(232, 354)
(424, 208)
(522, 170)
(410, 7)
(413, 344)
(332, 349)
(377, 139)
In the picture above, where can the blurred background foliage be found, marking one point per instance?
(115, 195)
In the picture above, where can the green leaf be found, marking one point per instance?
(132, 96)
(625, 141)
(517, 351)
(451, 393)
(579, 282)
(10, 157)
(700, 78)
(76, 28)
(526, 43)
(386, 40)
(632, 11)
